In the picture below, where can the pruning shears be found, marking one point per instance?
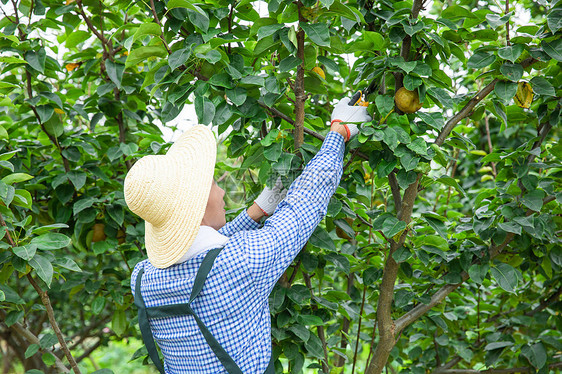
(358, 99)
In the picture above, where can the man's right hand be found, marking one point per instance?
(345, 118)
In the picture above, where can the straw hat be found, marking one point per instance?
(170, 192)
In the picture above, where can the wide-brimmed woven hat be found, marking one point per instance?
(170, 192)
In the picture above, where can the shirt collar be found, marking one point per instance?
(207, 238)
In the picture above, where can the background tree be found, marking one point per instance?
(441, 247)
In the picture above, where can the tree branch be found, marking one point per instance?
(407, 44)
(153, 8)
(31, 338)
(320, 329)
(346, 322)
(92, 28)
(467, 109)
(300, 96)
(50, 312)
(395, 188)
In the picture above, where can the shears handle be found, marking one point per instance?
(358, 99)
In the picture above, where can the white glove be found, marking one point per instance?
(345, 114)
(271, 197)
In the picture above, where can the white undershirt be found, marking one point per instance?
(207, 238)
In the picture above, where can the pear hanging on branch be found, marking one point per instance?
(407, 101)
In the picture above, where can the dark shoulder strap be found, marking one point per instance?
(144, 325)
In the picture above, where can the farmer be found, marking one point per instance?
(203, 292)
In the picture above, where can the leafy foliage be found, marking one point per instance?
(441, 244)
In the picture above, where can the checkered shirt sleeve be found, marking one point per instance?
(271, 249)
(242, 222)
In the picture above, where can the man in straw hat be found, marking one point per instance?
(203, 292)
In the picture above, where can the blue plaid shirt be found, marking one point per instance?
(234, 301)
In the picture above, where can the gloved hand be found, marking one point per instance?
(345, 114)
(271, 197)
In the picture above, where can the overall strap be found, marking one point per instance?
(146, 333)
(182, 310)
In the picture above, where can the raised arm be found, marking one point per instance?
(271, 249)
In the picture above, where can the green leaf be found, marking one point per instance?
(553, 49)
(31, 350)
(406, 178)
(411, 82)
(542, 87)
(554, 20)
(116, 212)
(48, 340)
(51, 240)
(510, 227)
(480, 60)
(199, 18)
(289, 63)
(401, 254)
(76, 37)
(115, 72)
(36, 59)
(513, 72)
(456, 12)
(119, 322)
(413, 29)
(25, 252)
(22, 198)
(409, 161)
(433, 119)
(43, 268)
(318, 33)
(407, 66)
(309, 320)
(321, 239)
(78, 178)
(12, 60)
(237, 95)
(436, 224)
(496, 21)
(48, 358)
(178, 58)
(506, 276)
(478, 272)
(98, 305)
(273, 152)
(384, 103)
(419, 146)
(536, 354)
(16, 178)
(300, 331)
(505, 90)
(511, 53)
(451, 182)
(268, 30)
(497, 345)
(205, 110)
(142, 54)
(392, 226)
(390, 138)
(435, 241)
(375, 39)
(533, 200)
(67, 263)
(145, 29)
(314, 347)
(45, 112)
